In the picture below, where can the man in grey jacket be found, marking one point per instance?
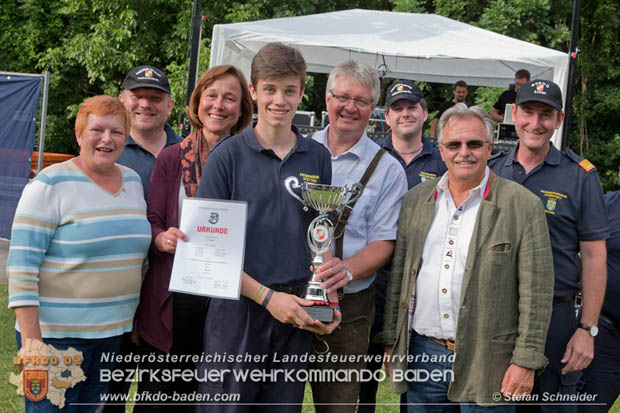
(469, 299)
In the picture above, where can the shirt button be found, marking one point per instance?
(446, 266)
(446, 316)
(451, 242)
(456, 217)
(444, 290)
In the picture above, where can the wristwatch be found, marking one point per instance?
(593, 330)
(349, 273)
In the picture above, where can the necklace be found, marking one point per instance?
(410, 153)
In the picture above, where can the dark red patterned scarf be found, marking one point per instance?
(194, 152)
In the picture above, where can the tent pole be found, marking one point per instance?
(194, 60)
(572, 68)
(46, 83)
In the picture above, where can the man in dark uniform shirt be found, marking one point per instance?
(508, 97)
(406, 112)
(460, 92)
(146, 97)
(602, 377)
(570, 190)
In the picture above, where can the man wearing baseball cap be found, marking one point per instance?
(571, 193)
(405, 113)
(146, 96)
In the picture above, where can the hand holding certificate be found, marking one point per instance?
(211, 261)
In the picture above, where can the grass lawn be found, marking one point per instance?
(10, 402)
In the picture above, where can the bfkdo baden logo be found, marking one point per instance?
(47, 373)
(35, 384)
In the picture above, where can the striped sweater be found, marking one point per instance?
(77, 252)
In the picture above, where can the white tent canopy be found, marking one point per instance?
(425, 47)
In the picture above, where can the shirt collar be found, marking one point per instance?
(358, 149)
(554, 156)
(131, 142)
(252, 141)
(171, 138)
(427, 146)
(482, 190)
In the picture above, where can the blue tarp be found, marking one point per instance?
(19, 102)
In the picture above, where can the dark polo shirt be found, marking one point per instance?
(443, 107)
(574, 206)
(426, 165)
(134, 156)
(238, 168)
(507, 97)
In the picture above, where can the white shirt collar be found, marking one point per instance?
(442, 186)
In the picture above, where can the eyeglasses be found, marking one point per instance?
(344, 99)
(456, 145)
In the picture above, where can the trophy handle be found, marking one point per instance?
(290, 183)
(356, 192)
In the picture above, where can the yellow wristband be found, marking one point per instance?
(261, 290)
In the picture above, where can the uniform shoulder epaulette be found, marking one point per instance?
(585, 164)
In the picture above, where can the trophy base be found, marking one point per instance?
(323, 313)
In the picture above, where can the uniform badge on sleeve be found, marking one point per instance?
(586, 165)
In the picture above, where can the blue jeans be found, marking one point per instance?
(429, 394)
(552, 381)
(602, 377)
(85, 396)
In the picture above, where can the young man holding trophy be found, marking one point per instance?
(267, 329)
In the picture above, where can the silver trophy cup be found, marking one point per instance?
(324, 199)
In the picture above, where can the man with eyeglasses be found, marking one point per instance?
(571, 194)
(368, 238)
(469, 297)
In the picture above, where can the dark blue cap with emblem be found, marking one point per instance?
(543, 91)
(403, 89)
(146, 76)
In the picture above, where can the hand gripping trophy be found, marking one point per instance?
(325, 199)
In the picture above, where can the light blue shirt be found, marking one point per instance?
(375, 215)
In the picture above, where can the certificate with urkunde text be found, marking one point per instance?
(210, 263)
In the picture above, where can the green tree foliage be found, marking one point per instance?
(597, 89)
(88, 47)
